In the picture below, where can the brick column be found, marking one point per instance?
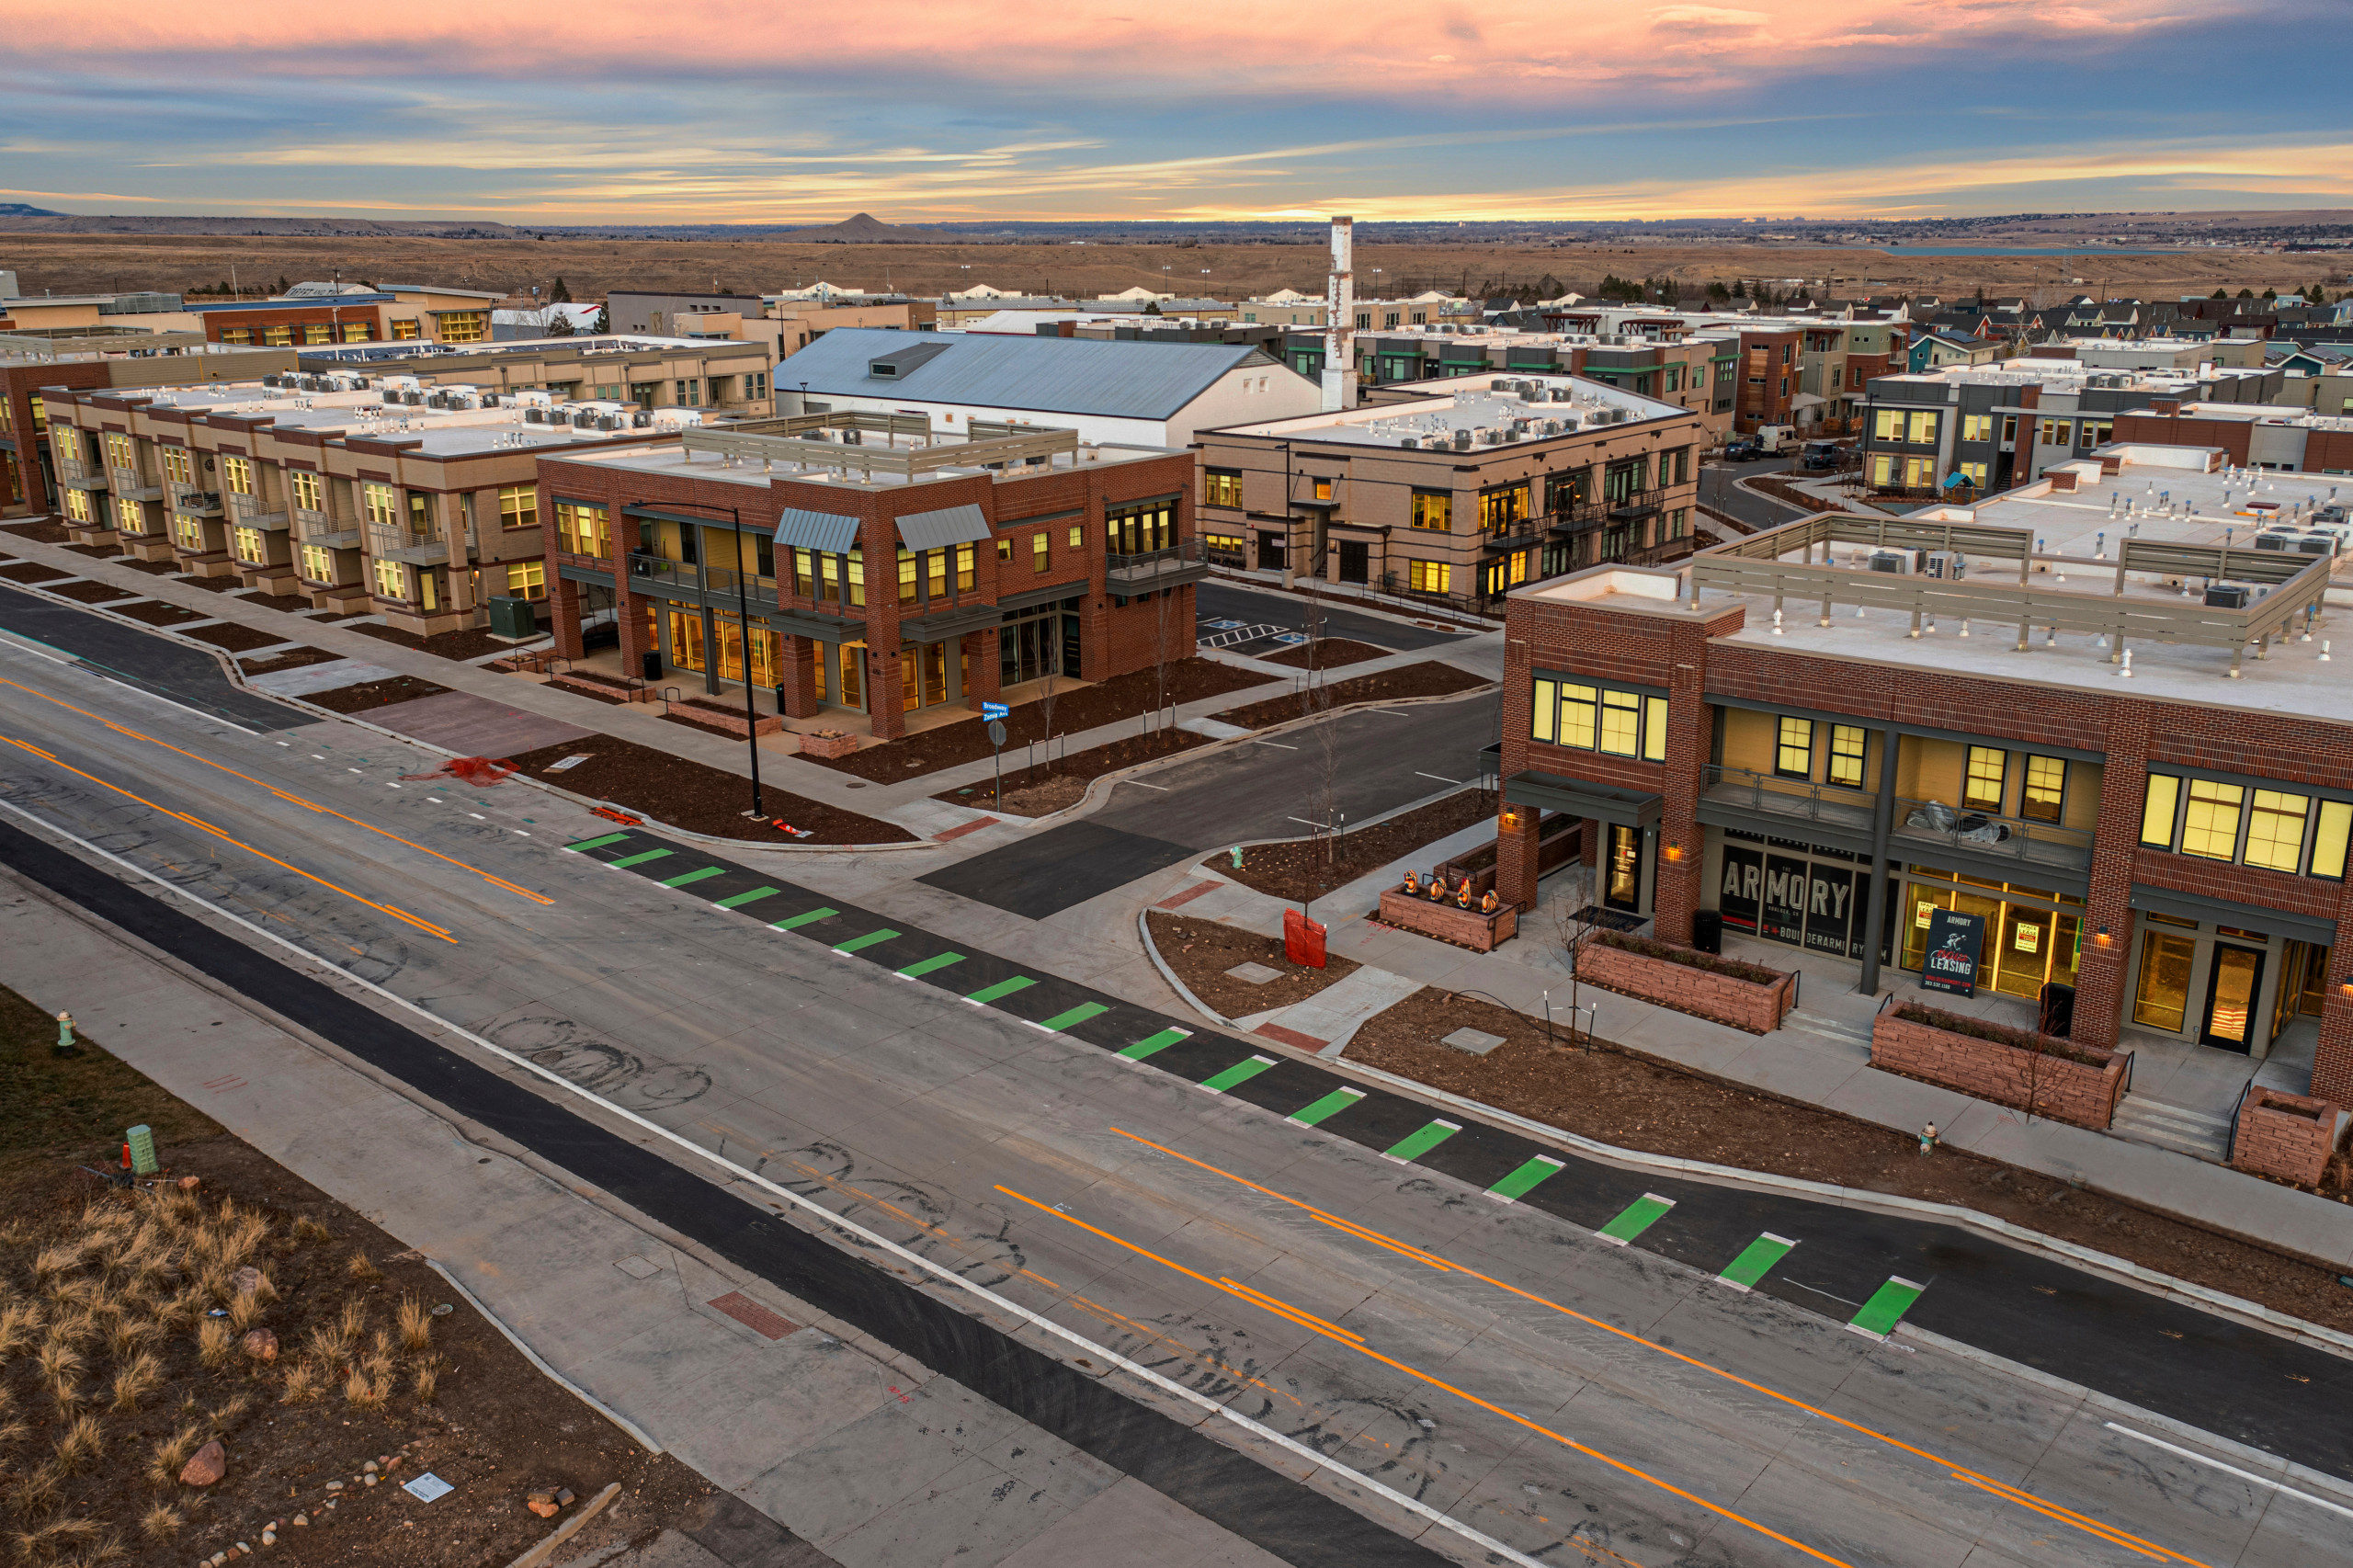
(563, 613)
(798, 690)
(1515, 866)
(2333, 1061)
(885, 701)
(2100, 979)
(982, 679)
(1676, 882)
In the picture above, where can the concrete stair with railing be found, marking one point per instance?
(2200, 1134)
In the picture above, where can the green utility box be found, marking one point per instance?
(512, 616)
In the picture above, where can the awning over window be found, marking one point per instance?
(1580, 797)
(938, 530)
(828, 531)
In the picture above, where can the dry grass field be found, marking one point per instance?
(590, 267)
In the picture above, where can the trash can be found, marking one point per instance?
(653, 670)
(511, 614)
(1708, 930)
(2057, 1012)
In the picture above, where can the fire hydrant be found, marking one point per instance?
(66, 1044)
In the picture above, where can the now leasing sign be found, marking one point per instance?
(1955, 942)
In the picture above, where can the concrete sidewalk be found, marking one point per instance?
(1821, 1055)
(846, 1452)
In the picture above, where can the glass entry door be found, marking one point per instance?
(2231, 994)
(1623, 873)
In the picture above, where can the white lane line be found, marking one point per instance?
(1142, 785)
(822, 1216)
(1277, 744)
(2281, 1488)
(1419, 774)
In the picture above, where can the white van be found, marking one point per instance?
(1777, 438)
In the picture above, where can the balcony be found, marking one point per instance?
(1128, 575)
(126, 483)
(1520, 535)
(405, 546)
(75, 474)
(694, 582)
(248, 512)
(1921, 830)
(196, 503)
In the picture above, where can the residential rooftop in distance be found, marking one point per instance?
(1476, 410)
(883, 452)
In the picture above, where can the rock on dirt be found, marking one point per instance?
(208, 1465)
(260, 1344)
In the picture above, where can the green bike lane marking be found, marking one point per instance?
(854, 943)
(741, 899)
(1886, 1308)
(1755, 1261)
(922, 967)
(597, 842)
(1331, 1105)
(1517, 1184)
(626, 862)
(1061, 1021)
(696, 876)
(1152, 1043)
(1634, 1218)
(1002, 988)
(809, 918)
(1240, 1073)
(1420, 1142)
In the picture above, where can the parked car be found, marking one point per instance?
(1746, 449)
(1824, 455)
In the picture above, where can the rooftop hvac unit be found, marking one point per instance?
(853, 438)
(1530, 391)
(1551, 426)
(610, 422)
(1559, 394)
(1490, 435)
(535, 399)
(392, 396)
(1895, 562)
(270, 379)
(584, 418)
(1411, 443)
(1951, 566)
(641, 419)
(2227, 596)
(413, 398)
(2278, 539)
(1568, 423)
(2317, 543)
(535, 414)
(1510, 433)
(1463, 441)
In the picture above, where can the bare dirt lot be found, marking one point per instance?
(86, 263)
(228, 1301)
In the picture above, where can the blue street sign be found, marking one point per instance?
(993, 710)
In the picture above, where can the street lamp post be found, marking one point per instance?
(744, 628)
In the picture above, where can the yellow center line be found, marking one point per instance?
(1986, 1483)
(1294, 1314)
(202, 825)
(121, 729)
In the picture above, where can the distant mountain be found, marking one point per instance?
(18, 210)
(865, 229)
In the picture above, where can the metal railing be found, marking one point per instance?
(1990, 832)
(196, 503)
(132, 485)
(1142, 568)
(247, 511)
(1799, 799)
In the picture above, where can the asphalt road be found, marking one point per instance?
(135, 659)
(1223, 601)
(1720, 488)
(1496, 1362)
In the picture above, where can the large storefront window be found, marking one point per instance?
(2028, 946)
(2162, 999)
(1785, 890)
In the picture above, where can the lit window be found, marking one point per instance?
(382, 503)
(356, 332)
(582, 530)
(1077, 536)
(1981, 788)
(1847, 742)
(127, 516)
(1222, 487)
(2330, 838)
(518, 506)
(249, 546)
(237, 475)
(906, 577)
(1580, 716)
(967, 571)
(1794, 749)
(278, 336)
(2275, 830)
(463, 326)
(1922, 431)
(1038, 548)
(178, 469)
(2157, 809)
(1545, 714)
(2046, 787)
(1621, 723)
(318, 563)
(304, 487)
(1654, 729)
(2210, 825)
(237, 334)
(1976, 427)
(528, 579)
(188, 532)
(392, 579)
(77, 506)
(405, 329)
(1430, 576)
(1432, 509)
(318, 332)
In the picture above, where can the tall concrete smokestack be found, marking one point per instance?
(1340, 318)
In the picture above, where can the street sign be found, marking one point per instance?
(994, 711)
(996, 732)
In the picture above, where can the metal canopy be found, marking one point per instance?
(938, 530)
(828, 531)
(1577, 797)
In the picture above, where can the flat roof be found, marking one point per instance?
(586, 346)
(442, 432)
(2160, 497)
(673, 461)
(1477, 404)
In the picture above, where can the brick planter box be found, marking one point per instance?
(599, 688)
(1447, 923)
(727, 723)
(2062, 1085)
(1756, 1006)
(2283, 1135)
(828, 745)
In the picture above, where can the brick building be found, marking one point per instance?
(315, 314)
(2096, 713)
(876, 557)
(1461, 488)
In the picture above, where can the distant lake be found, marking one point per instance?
(2020, 250)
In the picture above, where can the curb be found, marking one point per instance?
(583, 1395)
(2123, 1269)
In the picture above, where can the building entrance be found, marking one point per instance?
(2232, 987)
(1622, 872)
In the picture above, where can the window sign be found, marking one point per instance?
(1783, 916)
(1955, 943)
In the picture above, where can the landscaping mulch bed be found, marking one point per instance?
(1200, 951)
(290, 603)
(235, 638)
(293, 661)
(1329, 654)
(372, 694)
(216, 585)
(1294, 867)
(1076, 709)
(1635, 1102)
(97, 552)
(673, 790)
(31, 572)
(364, 1372)
(156, 612)
(340, 615)
(1428, 679)
(1035, 791)
(40, 529)
(471, 642)
(91, 593)
(156, 568)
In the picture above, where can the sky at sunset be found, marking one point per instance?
(709, 110)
